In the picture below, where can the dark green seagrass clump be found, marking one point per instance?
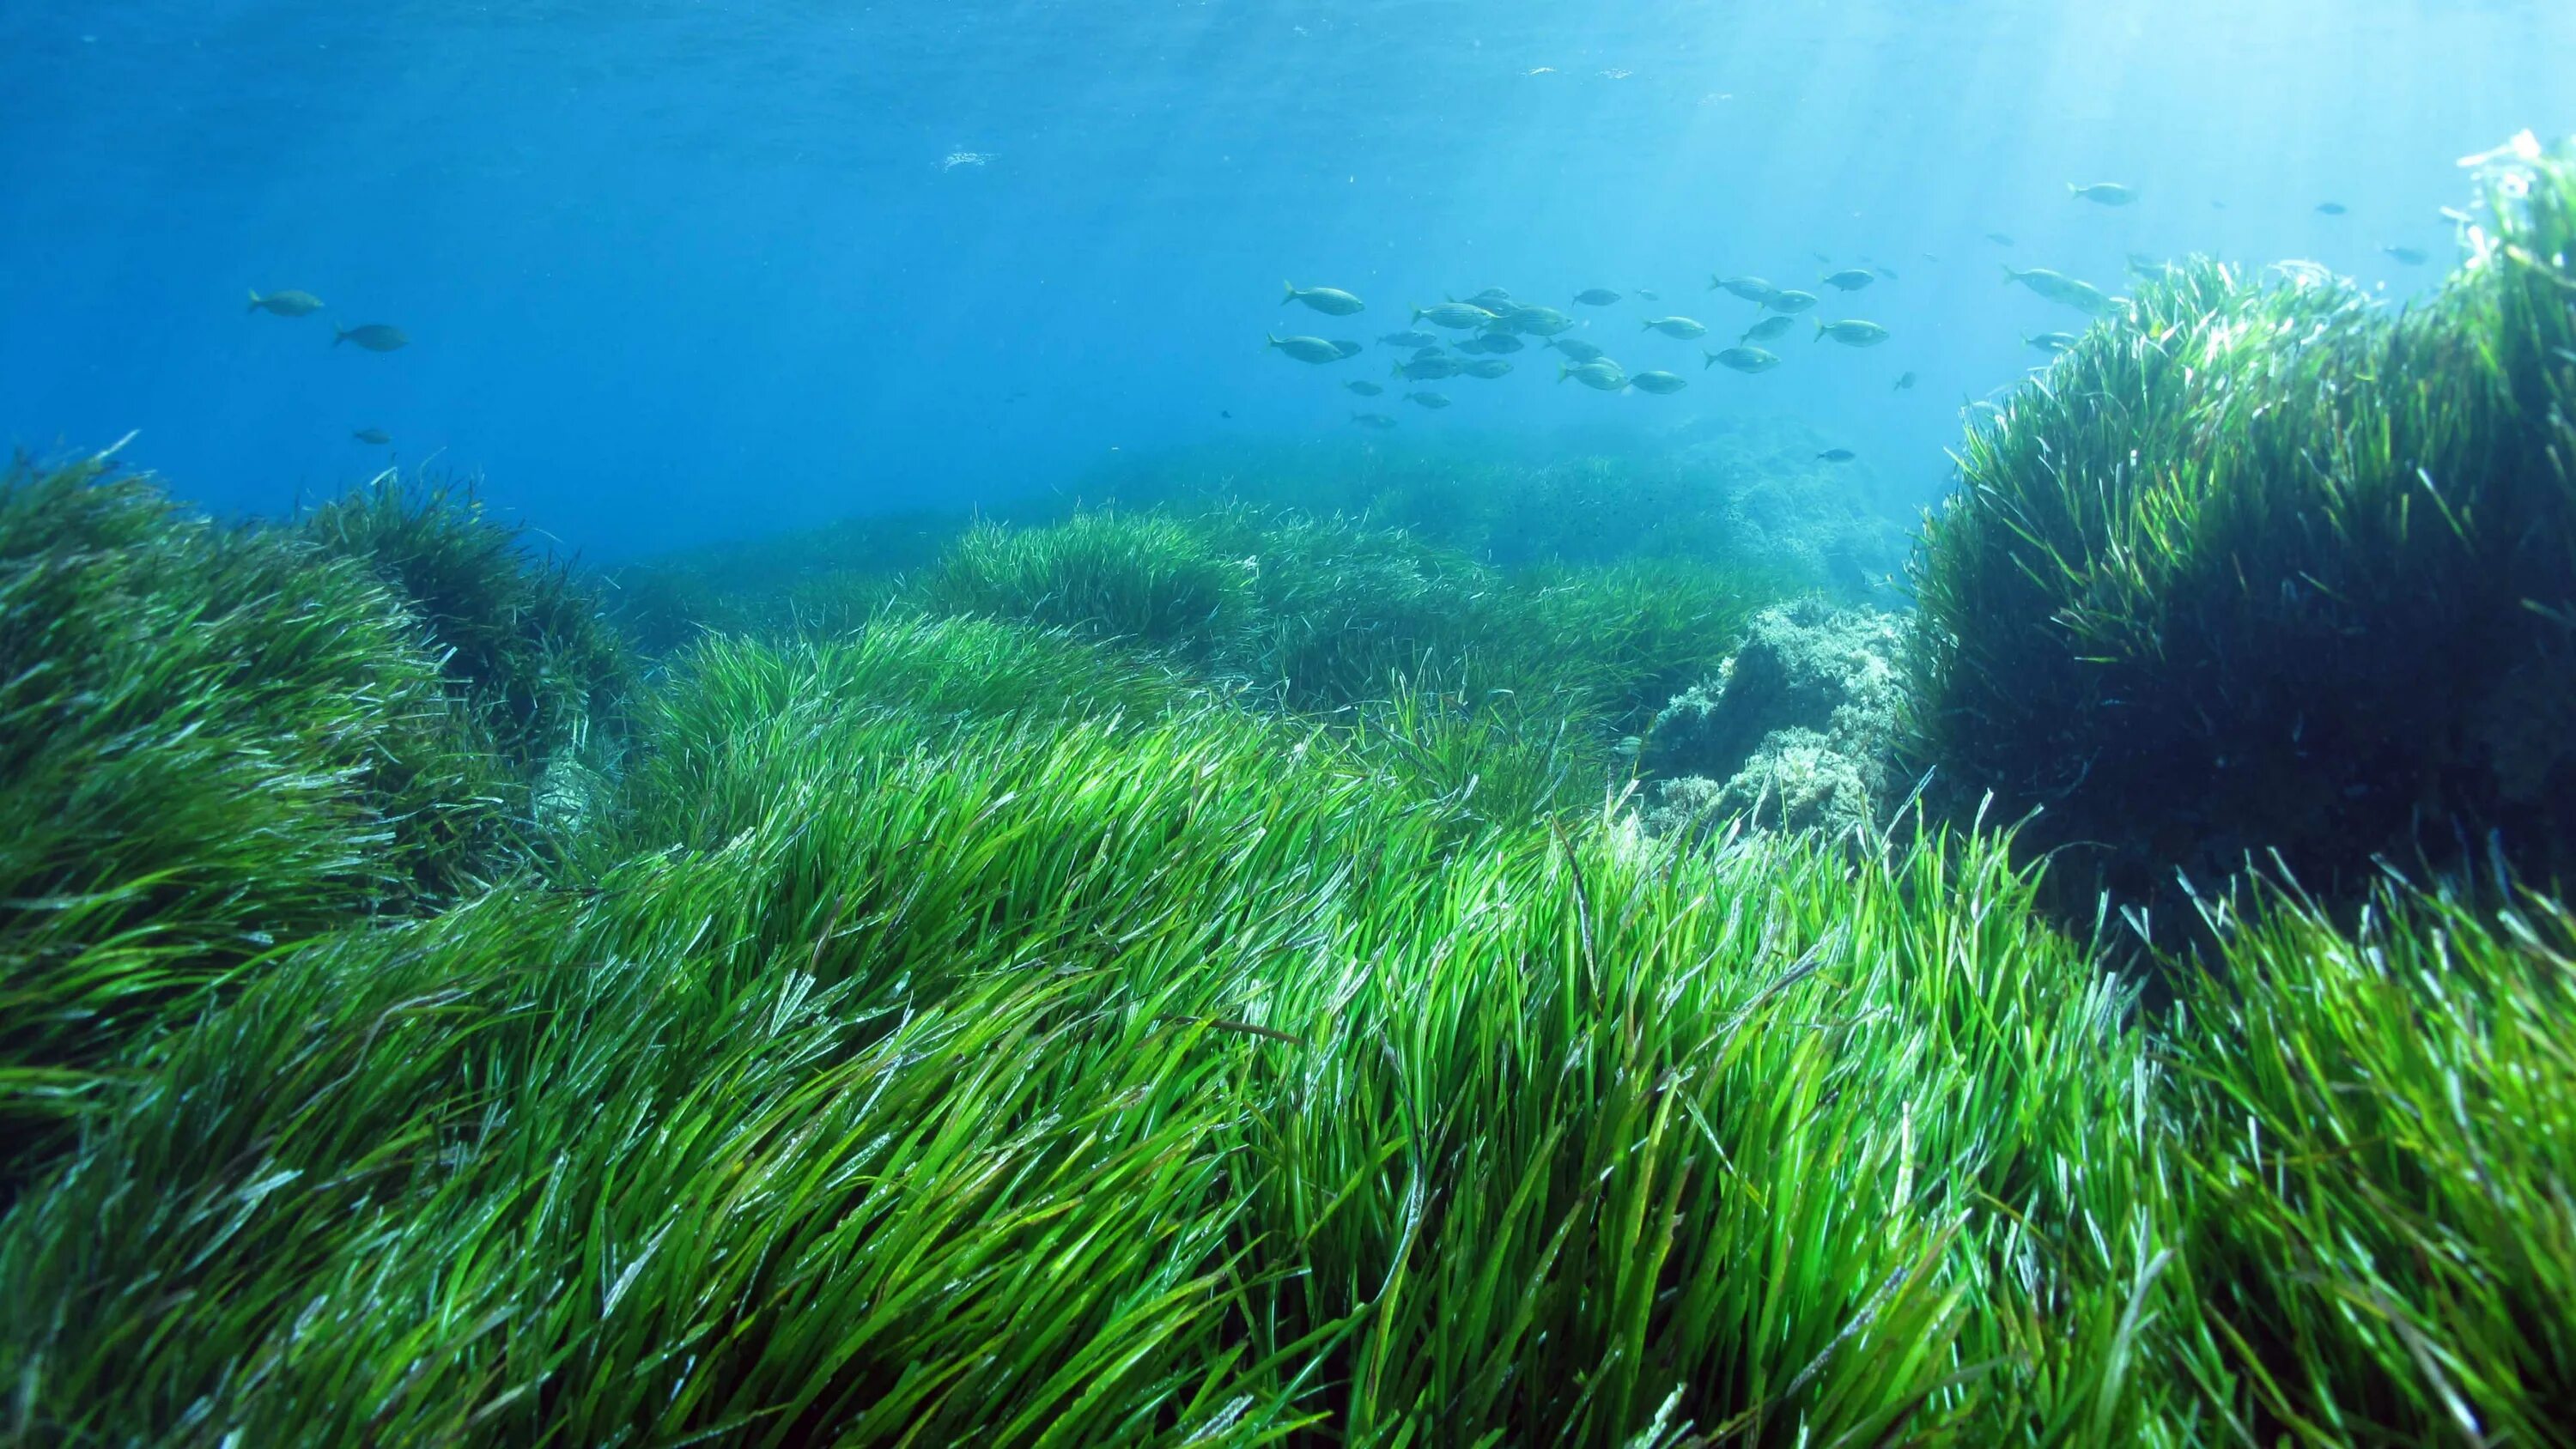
(524, 636)
(2264, 568)
(212, 742)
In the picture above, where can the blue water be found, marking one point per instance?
(686, 271)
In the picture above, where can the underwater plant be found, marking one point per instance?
(214, 742)
(1141, 578)
(981, 1068)
(523, 636)
(2265, 572)
(2378, 1125)
(1742, 494)
(815, 581)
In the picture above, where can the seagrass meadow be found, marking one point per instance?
(1194, 970)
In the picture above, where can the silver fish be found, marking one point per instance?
(1600, 373)
(373, 336)
(1331, 301)
(1307, 349)
(1456, 316)
(1853, 333)
(1742, 359)
(289, 303)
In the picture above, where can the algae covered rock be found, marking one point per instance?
(213, 741)
(524, 639)
(2266, 572)
(1792, 732)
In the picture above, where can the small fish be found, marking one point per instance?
(2103, 193)
(1596, 296)
(373, 336)
(1487, 367)
(1853, 333)
(1225, 413)
(1904, 380)
(1577, 349)
(1492, 299)
(1373, 420)
(2140, 264)
(2051, 342)
(1429, 369)
(1742, 359)
(1601, 373)
(2058, 287)
(1363, 387)
(1432, 400)
(1681, 327)
(1927, 256)
(1456, 316)
(1659, 383)
(1821, 259)
(376, 437)
(1837, 455)
(1643, 295)
(1307, 349)
(1539, 321)
(1346, 347)
(1999, 239)
(1889, 272)
(1331, 301)
(2331, 208)
(1751, 289)
(1482, 342)
(289, 303)
(1496, 343)
(2406, 256)
(1768, 328)
(1410, 339)
(1850, 279)
(1790, 301)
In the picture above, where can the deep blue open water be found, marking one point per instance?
(675, 272)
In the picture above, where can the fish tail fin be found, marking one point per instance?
(2074, 190)
(1649, 326)
(1417, 314)
(1820, 332)
(1707, 359)
(1271, 340)
(1715, 281)
(254, 299)
(1563, 372)
(339, 334)
(2010, 276)
(1292, 293)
